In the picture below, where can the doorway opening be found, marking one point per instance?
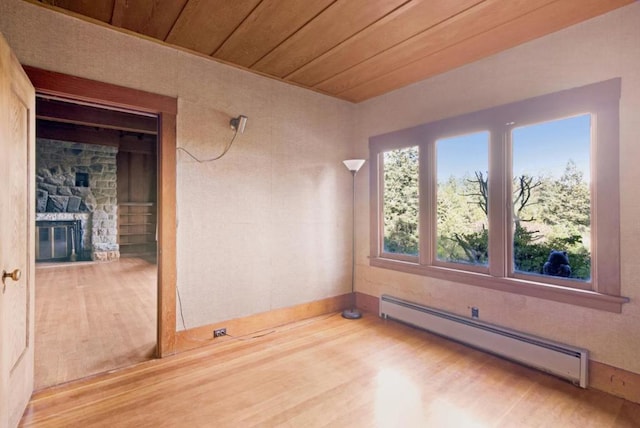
(117, 98)
(96, 231)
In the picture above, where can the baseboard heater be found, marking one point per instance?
(561, 360)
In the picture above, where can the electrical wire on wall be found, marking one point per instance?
(224, 152)
(237, 124)
(184, 325)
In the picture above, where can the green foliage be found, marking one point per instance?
(475, 246)
(558, 219)
(401, 201)
(461, 210)
(549, 214)
(530, 256)
(560, 207)
(567, 201)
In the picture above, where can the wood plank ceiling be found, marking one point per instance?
(350, 49)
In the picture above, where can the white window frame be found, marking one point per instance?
(601, 100)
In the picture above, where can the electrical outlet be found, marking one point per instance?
(475, 312)
(219, 332)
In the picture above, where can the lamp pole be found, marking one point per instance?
(353, 165)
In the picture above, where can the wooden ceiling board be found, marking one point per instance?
(270, 23)
(540, 22)
(403, 23)
(204, 25)
(350, 49)
(476, 20)
(153, 18)
(96, 9)
(338, 22)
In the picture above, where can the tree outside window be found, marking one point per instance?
(401, 201)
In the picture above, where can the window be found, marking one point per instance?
(400, 201)
(552, 198)
(521, 198)
(462, 192)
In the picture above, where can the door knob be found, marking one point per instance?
(15, 275)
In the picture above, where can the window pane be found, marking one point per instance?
(552, 198)
(462, 194)
(400, 201)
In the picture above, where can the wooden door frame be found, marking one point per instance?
(166, 108)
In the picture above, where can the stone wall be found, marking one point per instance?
(75, 177)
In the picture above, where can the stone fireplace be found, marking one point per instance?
(59, 240)
(76, 183)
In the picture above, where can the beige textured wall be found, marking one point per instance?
(602, 48)
(265, 227)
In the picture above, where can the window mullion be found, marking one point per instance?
(376, 174)
(499, 201)
(605, 206)
(427, 211)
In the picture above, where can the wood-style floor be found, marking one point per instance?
(93, 317)
(328, 372)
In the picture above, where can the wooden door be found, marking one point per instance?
(17, 220)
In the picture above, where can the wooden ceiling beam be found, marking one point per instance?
(59, 111)
(542, 21)
(139, 143)
(134, 144)
(76, 134)
(336, 24)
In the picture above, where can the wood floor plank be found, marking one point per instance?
(329, 371)
(629, 415)
(93, 317)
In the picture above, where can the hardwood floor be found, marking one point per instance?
(329, 371)
(93, 317)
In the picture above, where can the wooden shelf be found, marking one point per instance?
(137, 204)
(129, 244)
(136, 233)
(137, 227)
(133, 214)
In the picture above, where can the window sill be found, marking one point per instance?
(572, 296)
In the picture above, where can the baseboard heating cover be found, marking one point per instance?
(561, 360)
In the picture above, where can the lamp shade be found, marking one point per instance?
(353, 164)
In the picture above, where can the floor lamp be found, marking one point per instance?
(353, 165)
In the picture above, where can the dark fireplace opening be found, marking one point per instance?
(58, 240)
